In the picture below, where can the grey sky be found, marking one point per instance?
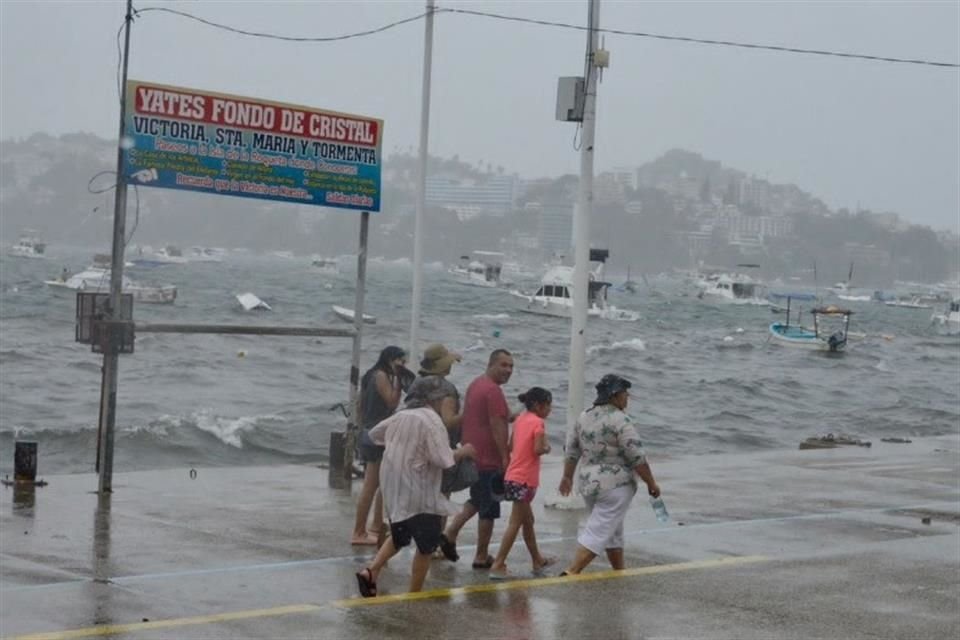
(886, 136)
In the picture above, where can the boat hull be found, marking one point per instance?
(802, 338)
(349, 314)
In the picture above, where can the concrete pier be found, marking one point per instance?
(849, 542)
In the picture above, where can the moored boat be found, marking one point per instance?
(96, 277)
(554, 297)
(820, 337)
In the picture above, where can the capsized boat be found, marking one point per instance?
(251, 302)
(820, 337)
(554, 297)
(349, 314)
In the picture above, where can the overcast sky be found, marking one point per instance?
(884, 136)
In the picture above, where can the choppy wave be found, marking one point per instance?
(634, 344)
(705, 380)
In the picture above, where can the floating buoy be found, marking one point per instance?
(241, 354)
(496, 333)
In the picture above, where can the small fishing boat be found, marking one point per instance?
(820, 337)
(348, 314)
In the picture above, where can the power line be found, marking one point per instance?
(562, 25)
(274, 36)
(724, 43)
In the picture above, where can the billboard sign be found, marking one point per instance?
(194, 140)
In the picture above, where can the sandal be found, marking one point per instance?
(368, 588)
(548, 561)
(449, 549)
(486, 564)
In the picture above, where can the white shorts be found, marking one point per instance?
(604, 527)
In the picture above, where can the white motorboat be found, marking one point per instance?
(482, 269)
(736, 288)
(251, 302)
(28, 246)
(147, 257)
(948, 322)
(206, 254)
(909, 303)
(554, 297)
(325, 266)
(97, 278)
(349, 314)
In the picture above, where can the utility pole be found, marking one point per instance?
(108, 391)
(581, 220)
(414, 351)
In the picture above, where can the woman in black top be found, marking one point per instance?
(380, 390)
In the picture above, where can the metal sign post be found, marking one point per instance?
(353, 426)
(108, 392)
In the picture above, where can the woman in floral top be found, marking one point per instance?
(608, 450)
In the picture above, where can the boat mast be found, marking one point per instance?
(581, 220)
(414, 351)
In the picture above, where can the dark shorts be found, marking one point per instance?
(518, 492)
(368, 451)
(423, 528)
(481, 496)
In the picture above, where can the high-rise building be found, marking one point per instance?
(556, 229)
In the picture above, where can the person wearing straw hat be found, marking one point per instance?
(438, 361)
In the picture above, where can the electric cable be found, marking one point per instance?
(562, 25)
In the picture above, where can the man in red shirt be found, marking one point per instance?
(485, 426)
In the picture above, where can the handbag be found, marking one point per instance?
(460, 476)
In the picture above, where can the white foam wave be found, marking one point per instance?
(634, 344)
(227, 430)
(492, 316)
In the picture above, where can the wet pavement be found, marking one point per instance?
(850, 542)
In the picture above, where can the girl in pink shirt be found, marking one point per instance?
(527, 443)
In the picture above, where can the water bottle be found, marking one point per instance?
(659, 509)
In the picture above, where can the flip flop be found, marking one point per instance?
(497, 576)
(449, 549)
(368, 588)
(485, 564)
(548, 561)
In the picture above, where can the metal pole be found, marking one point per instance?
(352, 426)
(108, 393)
(581, 223)
(414, 349)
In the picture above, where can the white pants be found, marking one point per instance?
(604, 527)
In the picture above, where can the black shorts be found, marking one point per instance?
(481, 496)
(369, 452)
(423, 528)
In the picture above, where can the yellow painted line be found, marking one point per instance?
(508, 585)
(114, 629)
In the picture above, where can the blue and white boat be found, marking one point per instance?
(820, 337)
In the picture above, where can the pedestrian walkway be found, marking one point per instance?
(851, 542)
